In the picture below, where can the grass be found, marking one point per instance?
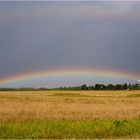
(69, 114)
(71, 129)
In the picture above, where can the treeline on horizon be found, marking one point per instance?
(82, 87)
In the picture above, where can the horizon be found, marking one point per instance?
(130, 86)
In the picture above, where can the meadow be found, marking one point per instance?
(69, 114)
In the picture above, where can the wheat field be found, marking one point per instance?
(68, 105)
(69, 114)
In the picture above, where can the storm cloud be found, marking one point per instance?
(43, 35)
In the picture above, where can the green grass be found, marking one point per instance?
(71, 129)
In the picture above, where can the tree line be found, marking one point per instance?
(103, 87)
(112, 87)
(82, 87)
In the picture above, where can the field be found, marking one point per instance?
(70, 114)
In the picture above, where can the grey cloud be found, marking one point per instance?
(41, 35)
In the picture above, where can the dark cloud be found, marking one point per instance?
(41, 35)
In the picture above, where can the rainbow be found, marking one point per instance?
(60, 72)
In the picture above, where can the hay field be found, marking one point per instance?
(23, 106)
(69, 114)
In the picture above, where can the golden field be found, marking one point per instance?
(68, 105)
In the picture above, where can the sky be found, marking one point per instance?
(40, 36)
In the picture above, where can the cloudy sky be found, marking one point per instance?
(38, 36)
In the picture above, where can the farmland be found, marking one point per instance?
(70, 114)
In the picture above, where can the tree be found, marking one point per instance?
(110, 87)
(124, 86)
(84, 87)
(118, 87)
(100, 87)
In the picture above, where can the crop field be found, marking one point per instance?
(70, 114)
